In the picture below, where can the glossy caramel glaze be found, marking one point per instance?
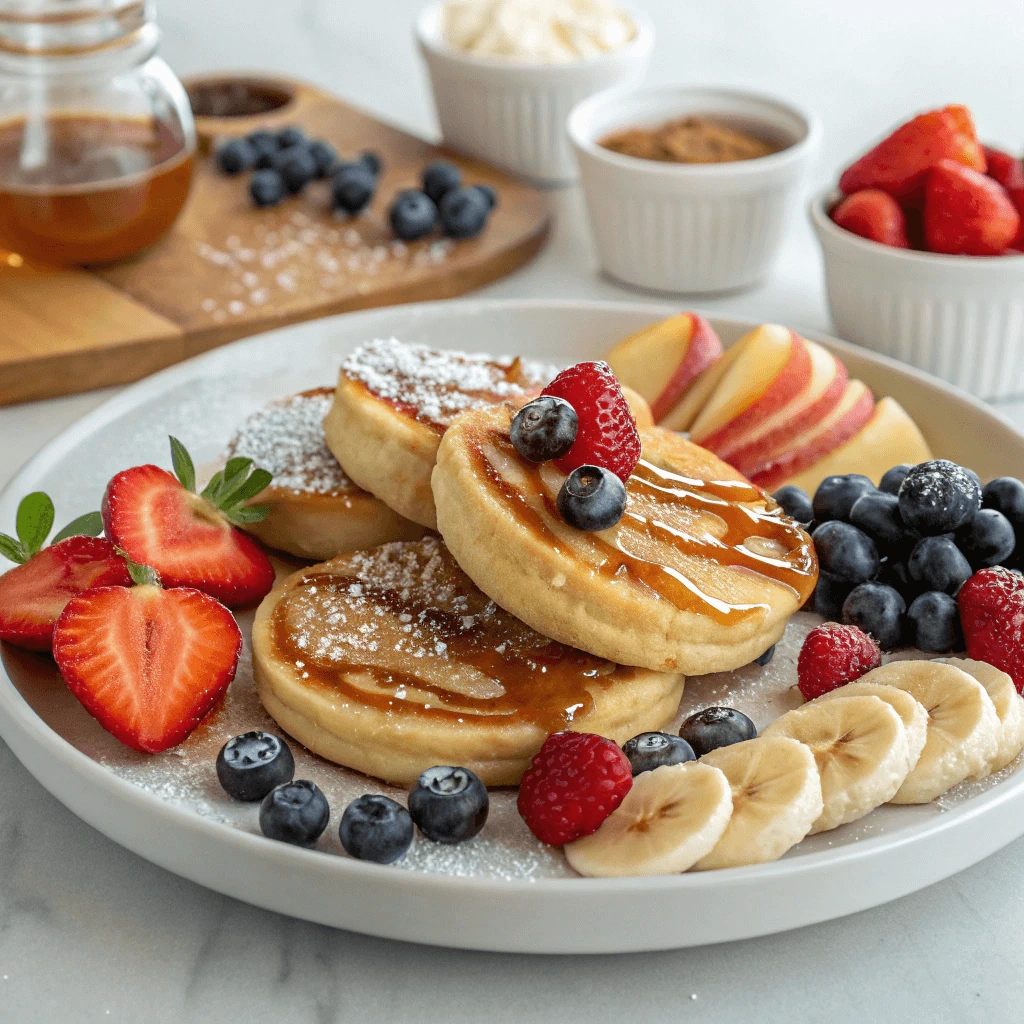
(404, 630)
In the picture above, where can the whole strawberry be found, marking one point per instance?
(992, 615)
(967, 213)
(872, 213)
(832, 656)
(575, 781)
(606, 433)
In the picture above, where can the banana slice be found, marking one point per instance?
(776, 798)
(671, 818)
(860, 746)
(910, 710)
(1008, 703)
(963, 728)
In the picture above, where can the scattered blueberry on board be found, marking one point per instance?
(449, 804)
(353, 187)
(236, 156)
(544, 429)
(592, 498)
(296, 167)
(652, 750)
(439, 178)
(296, 812)
(766, 658)
(464, 212)
(267, 188)
(716, 727)
(251, 765)
(413, 215)
(376, 828)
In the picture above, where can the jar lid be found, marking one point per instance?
(66, 27)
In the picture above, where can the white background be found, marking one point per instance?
(89, 932)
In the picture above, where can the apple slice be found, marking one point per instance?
(662, 361)
(772, 369)
(845, 420)
(888, 438)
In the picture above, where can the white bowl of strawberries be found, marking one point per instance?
(924, 253)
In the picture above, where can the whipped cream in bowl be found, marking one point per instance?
(536, 31)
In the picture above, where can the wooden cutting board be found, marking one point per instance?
(226, 270)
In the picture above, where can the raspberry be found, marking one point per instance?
(606, 435)
(992, 615)
(575, 781)
(832, 656)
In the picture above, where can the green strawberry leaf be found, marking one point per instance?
(142, 575)
(234, 473)
(257, 481)
(12, 550)
(247, 514)
(89, 525)
(34, 521)
(183, 468)
(213, 487)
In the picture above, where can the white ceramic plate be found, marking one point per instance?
(502, 891)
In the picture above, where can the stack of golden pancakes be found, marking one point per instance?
(469, 648)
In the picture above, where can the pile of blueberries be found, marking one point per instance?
(284, 162)
(447, 804)
(893, 558)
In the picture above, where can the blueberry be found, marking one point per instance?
(264, 145)
(489, 193)
(251, 765)
(829, 596)
(938, 564)
(325, 156)
(877, 610)
(651, 750)
(716, 727)
(372, 162)
(933, 623)
(795, 502)
(988, 539)
(236, 156)
(846, 553)
(376, 828)
(877, 514)
(352, 187)
(766, 658)
(296, 167)
(836, 494)
(592, 498)
(291, 136)
(894, 572)
(267, 188)
(544, 429)
(296, 812)
(1005, 494)
(440, 177)
(413, 215)
(939, 497)
(891, 480)
(449, 804)
(464, 212)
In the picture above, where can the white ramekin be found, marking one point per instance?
(958, 317)
(690, 227)
(513, 113)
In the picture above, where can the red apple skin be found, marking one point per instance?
(789, 382)
(704, 349)
(769, 475)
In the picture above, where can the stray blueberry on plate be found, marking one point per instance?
(893, 478)
(716, 727)
(352, 187)
(795, 502)
(652, 750)
(829, 595)
(372, 161)
(236, 156)
(290, 136)
(936, 563)
(448, 804)
(766, 658)
(325, 156)
(877, 514)
(933, 623)
(440, 177)
(489, 193)
(267, 188)
(264, 145)
(1005, 494)
(251, 765)
(878, 611)
(296, 167)
(464, 212)
(296, 812)
(544, 429)
(939, 497)
(846, 553)
(988, 539)
(836, 495)
(592, 498)
(376, 828)
(413, 215)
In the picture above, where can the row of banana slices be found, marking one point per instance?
(904, 734)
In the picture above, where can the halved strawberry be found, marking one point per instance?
(34, 592)
(186, 537)
(148, 664)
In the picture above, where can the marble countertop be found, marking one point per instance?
(90, 932)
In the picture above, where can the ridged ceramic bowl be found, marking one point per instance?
(958, 317)
(513, 113)
(690, 228)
